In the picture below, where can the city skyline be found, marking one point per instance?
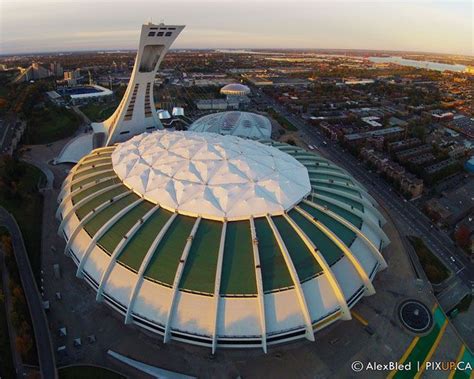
(422, 26)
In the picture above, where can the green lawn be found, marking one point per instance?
(435, 270)
(89, 372)
(98, 112)
(19, 195)
(50, 124)
(282, 120)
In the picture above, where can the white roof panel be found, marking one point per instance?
(209, 175)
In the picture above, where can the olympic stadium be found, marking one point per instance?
(221, 241)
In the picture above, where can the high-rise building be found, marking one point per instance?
(71, 77)
(56, 69)
(136, 112)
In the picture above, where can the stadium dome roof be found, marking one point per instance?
(235, 89)
(241, 124)
(255, 281)
(208, 175)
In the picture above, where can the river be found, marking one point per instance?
(419, 64)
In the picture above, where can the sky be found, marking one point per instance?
(71, 25)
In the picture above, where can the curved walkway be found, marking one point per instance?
(35, 305)
(154, 371)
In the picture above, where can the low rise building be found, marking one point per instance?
(463, 124)
(405, 155)
(437, 167)
(394, 121)
(55, 98)
(387, 133)
(217, 104)
(422, 159)
(453, 205)
(440, 115)
(409, 184)
(412, 185)
(403, 144)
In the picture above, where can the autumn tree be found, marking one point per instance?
(24, 343)
(462, 236)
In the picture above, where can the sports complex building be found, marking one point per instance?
(82, 94)
(221, 241)
(236, 123)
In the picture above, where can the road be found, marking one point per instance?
(44, 346)
(409, 219)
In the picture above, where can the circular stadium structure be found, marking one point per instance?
(235, 89)
(221, 241)
(236, 123)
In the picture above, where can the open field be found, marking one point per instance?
(98, 112)
(282, 120)
(50, 124)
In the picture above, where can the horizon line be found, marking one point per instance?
(234, 48)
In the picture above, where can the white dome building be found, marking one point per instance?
(235, 123)
(235, 89)
(221, 241)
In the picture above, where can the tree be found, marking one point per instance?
(7, 246)
(419, 131)
(24, 343)
(462, 236)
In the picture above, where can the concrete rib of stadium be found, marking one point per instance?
(219, 241)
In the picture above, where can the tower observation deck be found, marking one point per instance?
(136, 112)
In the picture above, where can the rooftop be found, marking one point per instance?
(209, 175)
(280, 264)
(241, 124)
(235, 89)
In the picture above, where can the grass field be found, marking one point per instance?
(50, 124)
(98, 112)
(282, 120)
(435, 270)
(26, 205)
(89, 372)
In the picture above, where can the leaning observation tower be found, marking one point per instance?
(136, 112)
